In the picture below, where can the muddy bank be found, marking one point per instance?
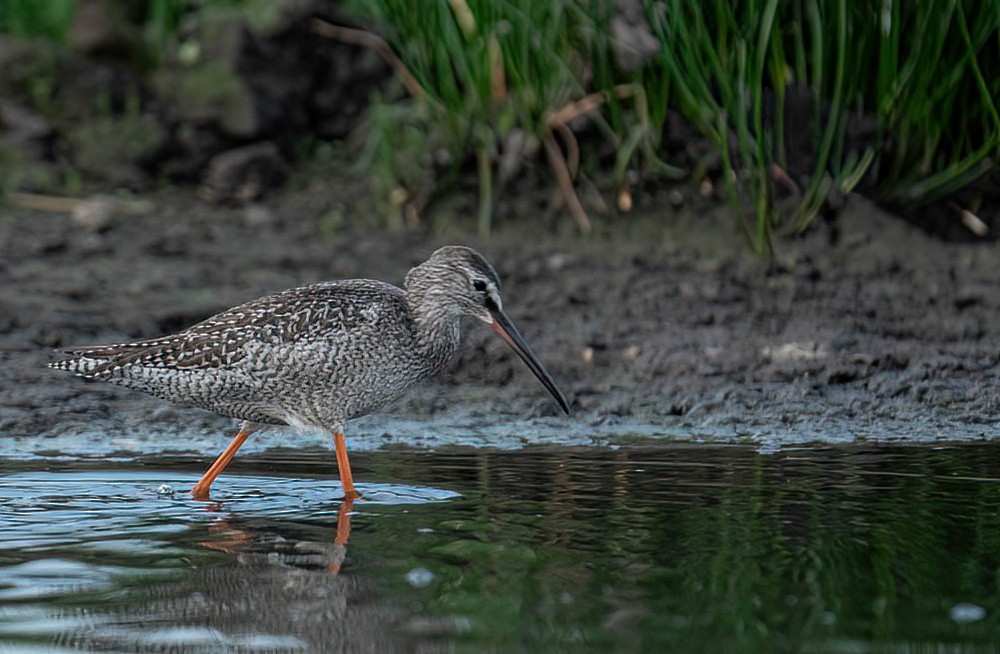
(866, 328)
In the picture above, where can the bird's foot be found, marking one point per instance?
(200, 493)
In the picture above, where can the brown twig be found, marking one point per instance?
(566, 168)
(366, 39)
(50, 203)
(59, 204)
(464, 17)
(498, 78)
(586, 104)
(572, 150)
(779, 175)
(561, 172)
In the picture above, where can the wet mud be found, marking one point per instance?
(662, 325)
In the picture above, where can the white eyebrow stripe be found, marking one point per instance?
(494, 294)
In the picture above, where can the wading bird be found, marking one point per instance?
(315, 356)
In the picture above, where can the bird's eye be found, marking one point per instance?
(479, 285)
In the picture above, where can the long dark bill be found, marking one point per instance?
(508, 332)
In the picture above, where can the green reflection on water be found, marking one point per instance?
(706, 549)
(637, 549)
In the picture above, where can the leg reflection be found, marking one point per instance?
(233, 535)
(226, 537)
(343, 533)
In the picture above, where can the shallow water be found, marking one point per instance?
(678, 548)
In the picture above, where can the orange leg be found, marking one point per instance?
(344, 465)
(202, 489)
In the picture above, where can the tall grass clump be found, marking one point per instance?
(487, 75)
(33, 18)
(158, 19)
(936, 94)
(898, 98)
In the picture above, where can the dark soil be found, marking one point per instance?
(664, 324)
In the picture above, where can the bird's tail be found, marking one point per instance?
(94, 361)
(81, 366)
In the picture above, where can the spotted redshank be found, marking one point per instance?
(315, 356)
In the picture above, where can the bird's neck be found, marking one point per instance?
(438, 330)
(439, 341)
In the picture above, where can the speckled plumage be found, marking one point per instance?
(313, 356)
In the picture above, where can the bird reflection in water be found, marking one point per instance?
(233, 539)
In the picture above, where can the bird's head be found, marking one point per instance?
(457, 281)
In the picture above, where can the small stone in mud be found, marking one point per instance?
(95, 213)
(419, 577)
(624, 200)
(556, 262)
(974, 223)
(966, 612)
(806, 351)
(91, 244)
(257, 215)
(676, 199)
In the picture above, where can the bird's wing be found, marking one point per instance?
(324, 311)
